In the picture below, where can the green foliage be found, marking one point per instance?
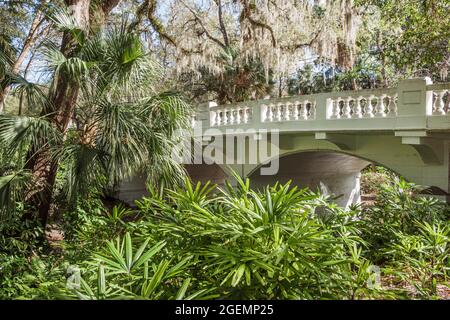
(260, 245)
(422, 259)
(410, 235)
(373, 178)
(415, 34)
(122, 126)
(28, 270)
(201, 242)
(397, 209)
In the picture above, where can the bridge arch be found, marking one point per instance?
(332, 172)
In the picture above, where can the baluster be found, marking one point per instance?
(287, 111)
(224, 117)
(249, 114)
(238, 115)
(246, 115)
(396, 103)
(357, 109)
(438, 105)
(282, 111)
(335, 111)
(304, 110)
(278, 111)
(296, 111)
(270, 113)
(231, 117)
(379, 108)
(264, 112)
(219, 118)
(392, 108)
(312, 113)
(368, 112)
(347, 110)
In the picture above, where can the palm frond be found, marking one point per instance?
(167, 112)
(35, 132)
(6, 56)
(83, 170)
(73, 68)
(33, 93)
(12, 189)
(121, 135)
(66, 22)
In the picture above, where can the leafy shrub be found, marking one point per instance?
(204, 242)
(397, 209)
(260, 245)
(27, 269)
(421, 259)
(374, 177)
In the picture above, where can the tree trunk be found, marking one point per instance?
(63, 99)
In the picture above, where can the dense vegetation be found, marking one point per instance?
(92, 92)
(237, 243)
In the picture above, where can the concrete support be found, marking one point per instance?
(334, 174)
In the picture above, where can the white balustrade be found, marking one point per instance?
(230, 116)
(289, 111)
(379, 108)
(364, 104)
(347, 110)
(357, 107)
(335, 109)
(392, 105)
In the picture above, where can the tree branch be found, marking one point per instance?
(222, 24)
(148, 8)
(247, 14)
(205, 31)
(304, 44)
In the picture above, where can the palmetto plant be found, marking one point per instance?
(121, 124)
(423, 258)
(121, 259)
(120, 271)
(257, 244)
(397, 210)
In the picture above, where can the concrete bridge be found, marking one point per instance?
(326, 139)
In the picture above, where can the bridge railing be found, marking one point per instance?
(414, 98)
(440, 98)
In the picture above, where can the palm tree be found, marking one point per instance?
(120, 125)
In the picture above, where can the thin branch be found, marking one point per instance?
(200, 22)
(246, 14)
(148, 8)
(304, 44)
(222, 24)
